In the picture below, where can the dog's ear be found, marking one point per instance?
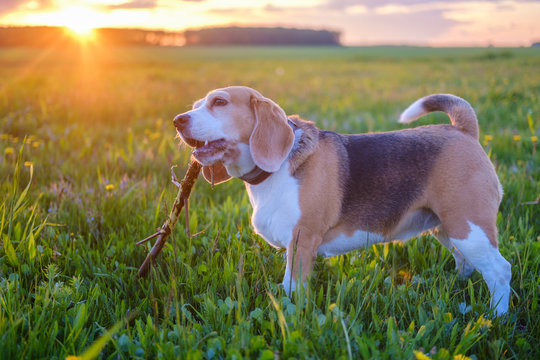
(272, 137)
(215, 174)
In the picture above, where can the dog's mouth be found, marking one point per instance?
(192, 142)
(204, 145)
(207, 152)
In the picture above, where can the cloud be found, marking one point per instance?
(359, 24)
(273, 8)
(11, 5)
(142, 4)
(134, 4)
(377, 3)
(233, 11)
(8, 5)
(342, 4)
(398, 28)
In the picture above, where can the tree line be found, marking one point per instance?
(44, 36)
(260, 36)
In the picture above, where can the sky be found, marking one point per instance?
(361, 22)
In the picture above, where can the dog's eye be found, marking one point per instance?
(219, 102)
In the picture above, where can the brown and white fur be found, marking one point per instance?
(317, 192)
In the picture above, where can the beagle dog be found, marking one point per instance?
(317, 192)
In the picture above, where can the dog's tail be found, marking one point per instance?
(460, 111)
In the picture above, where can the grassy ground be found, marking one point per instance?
(85, 149)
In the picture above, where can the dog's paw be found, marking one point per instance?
(288, 286)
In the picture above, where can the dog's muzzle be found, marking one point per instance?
(181, 121)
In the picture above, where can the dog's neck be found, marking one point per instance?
(258, 175)
(306, 138)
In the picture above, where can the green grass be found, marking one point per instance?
(96, 126)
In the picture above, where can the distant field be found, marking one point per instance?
(94, 126)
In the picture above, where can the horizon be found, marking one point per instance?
(494, 23)
(90, 35)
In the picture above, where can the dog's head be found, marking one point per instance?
(233, 130)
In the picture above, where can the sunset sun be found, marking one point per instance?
(79, 20)
(83, 31)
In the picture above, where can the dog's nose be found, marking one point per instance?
(181, 120)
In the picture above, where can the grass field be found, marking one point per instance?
(85, 150)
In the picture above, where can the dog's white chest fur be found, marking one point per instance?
(276, 208)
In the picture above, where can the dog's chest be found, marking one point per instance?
(276, 209)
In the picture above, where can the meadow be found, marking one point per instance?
(86, 143)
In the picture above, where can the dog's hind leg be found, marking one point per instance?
(479, 251)
(465, 196)
(464, 268)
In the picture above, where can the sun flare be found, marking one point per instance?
(82, 31)
(80, 21)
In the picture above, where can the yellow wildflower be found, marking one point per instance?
(28, 163)
(4, 136)
(487, 139)
(447, 317)
(73, 357)
(9, 151)
(420, 355)
(484, 323)
(109, 187)
(534, 139)
(36, 144)
(516, 138)
(15, 139)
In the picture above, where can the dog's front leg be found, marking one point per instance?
(300, 254)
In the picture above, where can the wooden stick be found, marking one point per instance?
(148, 238)
(181, 199)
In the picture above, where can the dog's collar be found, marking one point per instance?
(258, 175)
(255, 176)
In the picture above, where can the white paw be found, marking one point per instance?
(289, 286)
(500, 299)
